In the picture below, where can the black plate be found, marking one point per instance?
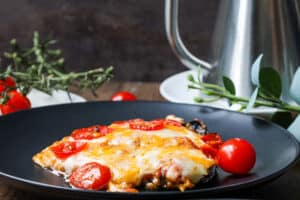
(25, 133)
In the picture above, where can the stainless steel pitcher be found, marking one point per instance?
(245, 29)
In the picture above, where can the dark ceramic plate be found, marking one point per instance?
(25, 133)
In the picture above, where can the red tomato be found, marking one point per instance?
(65, 149)
(123, 96)
(16, 102)
(7, 83)
(209, 151)
(126, 123)
(213, 139)
(90, 133)
(146, 125)
(91, 176)
(172, 123)
(236, 156)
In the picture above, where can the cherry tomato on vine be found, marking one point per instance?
(8, 82)
(16, 102)
(91, 176)
(236, 156)
(123, 96)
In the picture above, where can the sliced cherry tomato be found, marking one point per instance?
(90, 133)
(8, 82)
(146, 125)
(172, 123)
(16, 102)
(91, 176)
(213, 139)
(126, 123)
(236, 156)
(141, 124)
(123, 96)
(122, 123)
(209, 151)
(65, 149)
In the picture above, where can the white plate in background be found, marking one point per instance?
(38, 98)
(175, 89)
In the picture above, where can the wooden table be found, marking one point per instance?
(285, 187)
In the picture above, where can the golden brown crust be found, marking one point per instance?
(47, 159)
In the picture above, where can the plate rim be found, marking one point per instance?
(197, 191)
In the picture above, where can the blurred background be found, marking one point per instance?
(130, 34)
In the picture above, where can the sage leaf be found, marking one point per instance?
(270, 82)
(295, 86)
(264, 94)
(229, 85)
(255, 70)
(252, 100)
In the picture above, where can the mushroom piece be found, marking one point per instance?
(197, 125)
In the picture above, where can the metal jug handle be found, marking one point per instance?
(171, 23)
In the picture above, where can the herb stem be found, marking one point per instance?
(42, 68)
(282, 105)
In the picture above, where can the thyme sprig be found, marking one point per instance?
(43, 68)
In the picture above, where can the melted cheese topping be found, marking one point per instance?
(133, 154)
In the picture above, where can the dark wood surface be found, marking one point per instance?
(285, 187)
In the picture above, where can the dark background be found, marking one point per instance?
(128, 34)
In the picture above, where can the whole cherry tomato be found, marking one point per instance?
(90, 133)
(8, 82)
(16, 102)
(63, 150)
(91, 176)
(123, 96)
(236, 156)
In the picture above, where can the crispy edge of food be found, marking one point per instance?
(47, 159)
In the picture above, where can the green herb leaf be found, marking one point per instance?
(199, 75)
(198, 100)
(270, 82)
(267, 92)
(295, 86)
(252, 100)
(255, 70)
(190, 77)
(229, 85)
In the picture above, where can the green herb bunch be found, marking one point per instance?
(42, 67)
(267, 92)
